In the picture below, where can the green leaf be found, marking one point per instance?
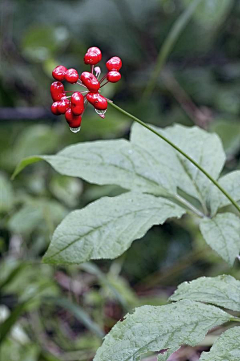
(226, 348)
(160, 155)
(146, 163)
(154, 328)
(107, 227)
(231, 183)
(206, 149)
(24, 163)
(6, 194)
(222, 233)
(66, 189)
(107, 162)
(223, 291)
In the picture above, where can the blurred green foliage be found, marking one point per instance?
(200, 84)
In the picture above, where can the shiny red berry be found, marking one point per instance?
(77, 103)
(54, 108)
(114, 63)
(113, 76)
(71, 76)
(59, 72)
(74, 121)
(57, 90)
(63, 106)
(93, 56)
(90, 81)
(97, 100)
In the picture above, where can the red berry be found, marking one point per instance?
(97, 100)
(90, 81)
(74, 121)
(57, 90)
(93, 56)
(114, 63)
(77, 103)
(59, 72)
(71, 76)
(54, 108)
(63, 106)
(113, 76)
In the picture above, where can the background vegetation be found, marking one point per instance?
(61, 313)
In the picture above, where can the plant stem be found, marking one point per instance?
(235, 319)
(234, 203)
(168, 44)
(190, 206)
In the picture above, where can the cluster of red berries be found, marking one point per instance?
(74, 105)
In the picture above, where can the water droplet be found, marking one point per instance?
(101, 113)
(130, 151)
(75, 130)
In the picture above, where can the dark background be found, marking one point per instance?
(199, 85)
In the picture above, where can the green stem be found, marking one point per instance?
(189, 206)
(168, 44)
(234, 203)
(235, 319)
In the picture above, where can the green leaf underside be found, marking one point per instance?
(206, 149)
(222, 233)
(154, 328)
(226, 348)
(223, 291)
(24, 163)
(107, 227)
(146, 162)
(231, 183)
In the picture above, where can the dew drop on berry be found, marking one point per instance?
(75, 130)
(101, 113)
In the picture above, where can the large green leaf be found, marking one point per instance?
(231, 183)
(154, 328)
(222, 233)
(226, 348)
(206, 149)
(107, 227)
(223, 291)
(146, 163)
(110, 162)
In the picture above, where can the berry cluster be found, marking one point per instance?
(74, 105)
